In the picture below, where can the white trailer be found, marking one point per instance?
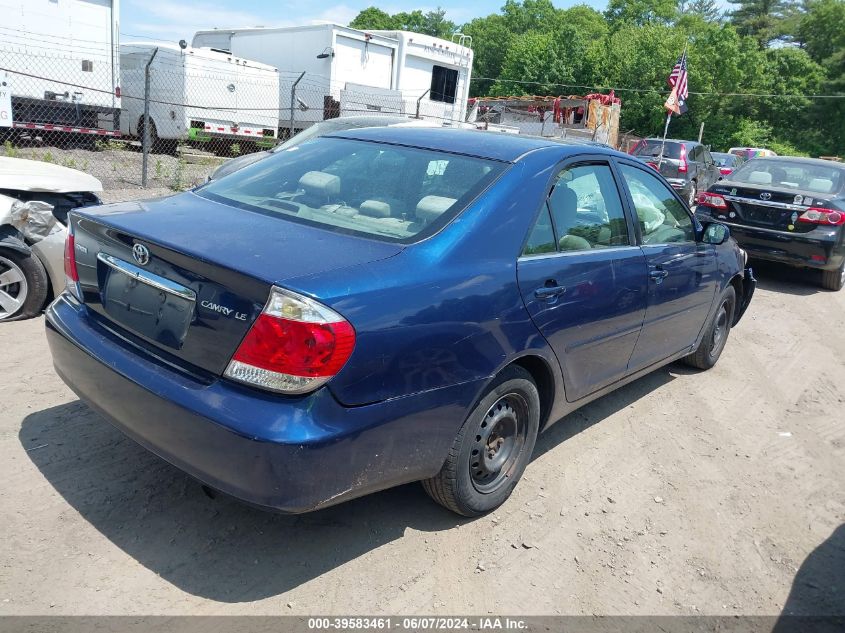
(433, 73)
(63, 64)
(198, 94)
(349, 71)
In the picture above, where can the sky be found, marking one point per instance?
(173, 20)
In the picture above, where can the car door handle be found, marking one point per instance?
(549, 292)
(658, 274)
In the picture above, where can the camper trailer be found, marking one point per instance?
(63, 67)
(198, 94)
(353, 72)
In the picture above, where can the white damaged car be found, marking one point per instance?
(35, 198)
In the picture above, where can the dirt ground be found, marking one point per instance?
(682, 493)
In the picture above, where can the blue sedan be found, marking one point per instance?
(382, 306)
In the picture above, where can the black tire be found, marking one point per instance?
(157, 145)
(34, 287)
(716, 336)
(505, 423)
(692, 199)
(834, 279)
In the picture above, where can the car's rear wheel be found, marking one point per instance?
(23, 285)
(716, 336)
(834, 279)
(492, 448)
(692, 199)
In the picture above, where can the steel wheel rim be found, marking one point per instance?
(720, 331)
(498, 443)
(13, 288)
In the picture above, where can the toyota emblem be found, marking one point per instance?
(765, 196)
(141, 254)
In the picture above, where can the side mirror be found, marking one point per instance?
(715, 233)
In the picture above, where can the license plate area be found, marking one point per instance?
(147, 304)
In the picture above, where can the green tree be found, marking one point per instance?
(490, 41)
(373, 19)
(764, 20)
(707, 10)
(529, 15)
(545, 59)
(641, 12)
(430, 23)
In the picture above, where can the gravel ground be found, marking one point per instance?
(681, 493)
(117, 164)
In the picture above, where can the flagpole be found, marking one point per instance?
(665, 132)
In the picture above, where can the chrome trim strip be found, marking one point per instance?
(767, 203)
(748, 227)
(148, 278)
(596, 251)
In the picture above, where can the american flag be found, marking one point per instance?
(678, 78)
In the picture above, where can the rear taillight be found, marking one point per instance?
(713, 200)
(71, 273)
(682, 166)
(295, 345)
(828, 217)
(725, 170)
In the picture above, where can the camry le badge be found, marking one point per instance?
(141, 254)
(765, 196)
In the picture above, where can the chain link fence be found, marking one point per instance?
(82, 109)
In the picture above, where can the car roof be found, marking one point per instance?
(478, 143)
(672, 140)
(800, 160)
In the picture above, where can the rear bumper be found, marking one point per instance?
(289, 454)
(821, 248)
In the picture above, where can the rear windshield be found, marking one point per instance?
(724, 160)
(393, 193)
(790, 175)
(651, 147)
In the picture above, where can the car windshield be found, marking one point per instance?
(651, 147)
(385, 191)
(790, 175)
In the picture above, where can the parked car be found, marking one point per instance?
(686, 165)
(727, 163)
(320, 129)
(35, 198)
(387, 305)
(751, 152)
(785, 209)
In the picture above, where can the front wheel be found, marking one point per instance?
(716, 335)
(492, 448)
(23, 285)
(834, 279)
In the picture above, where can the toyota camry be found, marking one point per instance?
(382, 306)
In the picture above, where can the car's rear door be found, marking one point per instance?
(682, 275)
(582, 277)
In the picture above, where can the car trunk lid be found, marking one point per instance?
(185, 278)
(769, 208)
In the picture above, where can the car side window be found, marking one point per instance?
(662, 218)
(587, 210)
(542, 237)
(708, 159)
